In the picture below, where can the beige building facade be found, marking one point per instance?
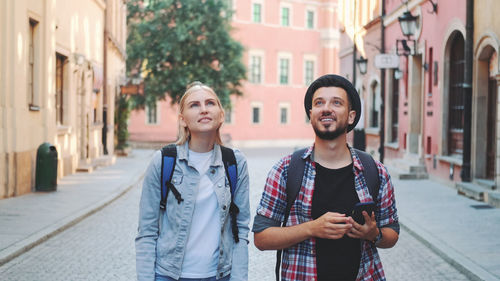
(61, 65)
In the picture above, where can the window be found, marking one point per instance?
(456, 98)
(60, 62)
(32, 65)
(395, 109)
(228, 118)
(374, 110)
(309, 72)
(284, 70)
(256, 69)
(255, 114)
(152, 113)
(285, 16)
(257, 13)
(310, 19)
(284, 113)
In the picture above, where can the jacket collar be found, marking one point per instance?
(183, 152)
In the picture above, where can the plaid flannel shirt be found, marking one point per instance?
(299, 261)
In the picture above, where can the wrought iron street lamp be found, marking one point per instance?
(362, 64)
(408, 23)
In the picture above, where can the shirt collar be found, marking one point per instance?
(355, 158)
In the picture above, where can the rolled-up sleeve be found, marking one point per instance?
(387, 216)
(271, 209)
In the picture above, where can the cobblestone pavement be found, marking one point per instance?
(101, 247)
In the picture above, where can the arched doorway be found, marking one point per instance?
(456, 101)
(486, 100)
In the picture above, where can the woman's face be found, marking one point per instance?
(202, 112)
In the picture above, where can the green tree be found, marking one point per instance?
(172, 43)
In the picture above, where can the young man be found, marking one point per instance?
(320, 240)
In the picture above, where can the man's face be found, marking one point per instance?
(330, 113)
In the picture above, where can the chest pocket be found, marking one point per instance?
(177, 180)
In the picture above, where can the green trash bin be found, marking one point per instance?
(46, 168)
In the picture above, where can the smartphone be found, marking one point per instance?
(357, 212)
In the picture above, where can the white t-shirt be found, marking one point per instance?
(202, 249)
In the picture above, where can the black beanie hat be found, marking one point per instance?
(332, 80)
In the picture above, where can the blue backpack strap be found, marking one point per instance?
(295, 175)
(231, 168)
(370, 173)
(168, 155)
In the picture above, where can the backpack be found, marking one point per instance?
(169, 155)
(296, 171)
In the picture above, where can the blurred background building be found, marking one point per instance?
(61, 65)
(287, 45)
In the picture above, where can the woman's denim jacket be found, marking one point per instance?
(162, 243)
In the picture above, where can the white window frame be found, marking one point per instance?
(290, 14)
(285, 55)
(229, 113)
(314, 59)
(315, 18)
(256, 53)
(261, 3)
(284, 105)
(146, 111)
(260, 106)
(33, 63)
(375, 101)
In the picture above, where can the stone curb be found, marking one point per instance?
(463, 264)
(35, 239)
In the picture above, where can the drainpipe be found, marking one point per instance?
(382, 87)
(105, 85)
(354, 49)
(467, 88)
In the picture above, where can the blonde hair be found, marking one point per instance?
(184, 135)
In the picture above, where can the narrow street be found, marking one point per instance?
(101, 247)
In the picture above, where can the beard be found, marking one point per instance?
(330, 135)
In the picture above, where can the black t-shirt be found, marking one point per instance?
(334, 191)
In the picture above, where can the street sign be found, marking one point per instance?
(386, 61)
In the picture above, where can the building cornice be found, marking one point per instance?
(394, 14)
(101, 4)
(120, 50)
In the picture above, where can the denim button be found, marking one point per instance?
(212, 171)
(224, 207)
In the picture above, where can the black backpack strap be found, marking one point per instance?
(168, 156)
(371, 173)
(295, 174)
(231, 168)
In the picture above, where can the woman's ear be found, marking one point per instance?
(181, 121)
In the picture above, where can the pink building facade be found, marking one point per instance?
(424, 117)
(421, 122)
(430, 101)
(287, 45)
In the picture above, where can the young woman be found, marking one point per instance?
(192, 239)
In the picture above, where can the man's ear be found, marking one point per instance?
(352, 116)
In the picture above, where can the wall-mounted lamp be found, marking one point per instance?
(403, 47)
(408, 23)
(79, 59)
(398, 74)
(362, 64)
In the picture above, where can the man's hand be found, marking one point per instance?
(367, 231)
(331, 226)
